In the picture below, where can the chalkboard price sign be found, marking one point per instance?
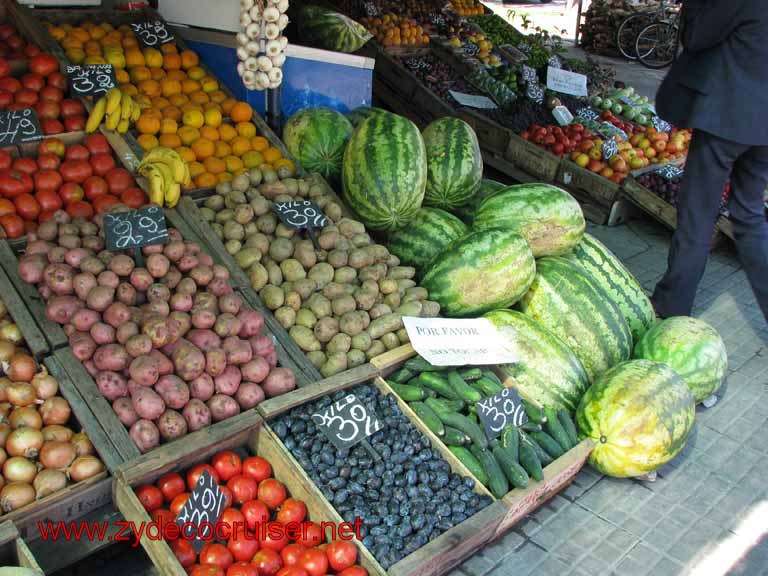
(500, 410)
(301, 214)
(670, 172)
(610, 149)
(152, 34)
(19, 126)
(91, 80)
(347, 422)
(660, 125)
(200, 513)
(587, 114)
(135, 228)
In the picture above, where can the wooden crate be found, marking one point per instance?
(531, 159)
(492, 136)
(603, 191)
(390, 71)
(650, 203)
(13, 550)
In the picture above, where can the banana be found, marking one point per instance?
(126, 107)
(113, 100)
(156, 184)
(167, 174)
(97, 115)
(171, 159)
(172, 195)
(135, 112)
(113, 119)
(123, 125)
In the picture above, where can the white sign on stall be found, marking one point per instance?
(566, 82)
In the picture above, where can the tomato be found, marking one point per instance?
(77, 152)
(255, 512)
(171, 485)
(71, 192)
(6, 98)
(33, 82)
(242, 569)
(76, 171)
(232, 518)
(10, 84)
(150, 497)
(227, 464)
(58, 80)
(341, 554)
(80, 209)
(314, 562)
(74, 123)
(26, 97)
(311, 535)
(162, 516)
(48, 161)
(119, 180)
(243, 488)
(291, 554)
(194, 474)
(292, 510)
(292, 571)
(52, 146)
(267, 561)
(31, 50)
(257, 468)
(46, 215)
(52, 93)
(26, 165)
(5, 160)
(14, 183)
(104, 203)
(243, 546)
(184, 552)
(226, 492)
(133, 197)
(272, 493)
(178, 503)
(43, 64)
(102, 163)
(51, 126)
(7, 207)
(27, 206)
(5, 68)
(270, 540)
(207, 570)
(48, 180)
(94, 187)
(216, 554)
(354, 571)
(70, 107)
(49, 201)
(98, 144)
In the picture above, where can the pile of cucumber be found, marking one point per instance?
(444, 398)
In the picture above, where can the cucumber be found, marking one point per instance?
(473, 464)
(544, 458)
(556, 429)
(510, 441)
(549, 444)
(529, 460)
(570, 428)
(418, 364)
(402, 376)
(491, 375)
(473, 417)
(489, 387)
(459, 421)
(451, 405)
(429, 417)
(462, 389)
(531, 427)
(455, 437)
(515, 473)
(438, 384)
(534, 413)
(497, 481)
(470, 374)
(408, 392)
(475, 384)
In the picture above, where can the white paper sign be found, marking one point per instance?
(458, 342)
(566, 82)
(473, 101)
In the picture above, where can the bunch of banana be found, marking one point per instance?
(118, 108)
(166, 172)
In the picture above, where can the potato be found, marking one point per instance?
(260, 205)
(430, 309)
(251, 322)
(401, 272)
(285, 316)
(274, 272)
(227, 325)
(202, 275)
(351, 324)
(147, 403)
(317, 358)
(387, 285)
(158, 265)
(85, 318)
(111, 385)
(204, 339)
(305, 288)
(292, 270)
(392, 300)
(59, 278)
(111, 357)
(230, 303)
(321, 273)
(334, 290)
(172, 425)
(31, 268)
(355, 358)
(203, 319)
(365, 299)
(93, 265)
(272, 296)
(337, 362)
(249, 394)
(402, 336)
(258, 241)
(102, 333)
(238, 350)
(48, 230)
(108, 278)
(216, 360)
(306, 317)
(220, 271)
(126, 294)
(360, 240)
(94, 244)
(339, 343)
(122, 265)
(141, 279)
(351, 228)
(173, 390)
(156, 327)
(361, 341)
(138, 345)
(390, 341)
(262, 346)
(145, 435)
(153, 248)
(379, 310)
(377, 349)
(279, 381)
(228, 381)
(197, 415)
(328, 239)
(187, 263)
(412, 308)
(266, 223)
(125, 412)
(117, 314)
(144, 370)
(326, 329)
(172, 279)
(258, 276)
(320, 305)
(57, 255)
(83, 346)
(74, 257)
(304, 253)
(280, 249)
(156, 308)
(181, 302)
(345, 275)
(158, 292)
(360, 258)
(305, 338)
(188, 360)
(201, 387)
(222, 407)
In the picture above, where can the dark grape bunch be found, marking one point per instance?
(668, 190)
(438, 77)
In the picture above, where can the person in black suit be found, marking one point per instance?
(719, 87)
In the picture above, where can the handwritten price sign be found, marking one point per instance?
(301, 214)
(152, 34)
(135, 228)
(92, 80)
(201, 511)
(19, 126)
(347, 422)
(501, 410)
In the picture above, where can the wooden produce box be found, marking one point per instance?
(10, 14)
(533, 160)
(493, 137)
(14, 551)
(518, 503)
(650, 203)
(603, 191)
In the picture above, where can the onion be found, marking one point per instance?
(49, 481)
(25, 416)
(24, 442)
(57, 433)
(5, 431)
(21, 394)
(15, 495)
(45, 385)
(7, 350)
(83, 445)
(5, 409)
(3, 457)
(55, 410)
(22, 367)
(57, 454)
(11, 333)
(18, 469)
(85, 467)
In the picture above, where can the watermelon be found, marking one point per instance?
(547, 372)
(692, 348)
(545, 215)
(566, 301)
(487, 188)
(426, 236)
(317, 138)
(454, 163)
(480, 272)
(639, 414)
(613, 277)
(330, 30)
(362, 113)
(385, 171)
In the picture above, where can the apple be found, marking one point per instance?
(47, 109)
(582, 160)
(636, 163)
(33, 82)
(618, 163)
(606, 172)
(595, 166)
(596, 153)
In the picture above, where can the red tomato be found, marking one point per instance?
(98, 144)
(272, 493)
(94, 187)
(162, 516)
(52, 146)
(48, 180)
(26, 97)
(243, 488)
(15, 41)
(119, 180)
(150, 497)
(311, 534)
(216, 554)
(43, 64)
(30, 227)
(231, 518)
(76, 171)
(292, 510)
(27, 207)
(171, 485)
(133, 197)
(46, 215)
(5, 68)
(52, 93)
(178, 503)
(33, 82)
(71, 192)
(5, 160)
(14, 183)
(194, 474)
(207, 570)
(354, 571)
(341, 554)
(7, 207)
(291, 554)
(74, 123)
(270, 541)
(104, 203)
(227, 464)
(243, 546)
(242, 569)
(70, 107)
(255, 512)
(77, 152)
(25, 165)
(314, 562)
(49, 201)
(58, 80)
(184, 552)
(257, 468)
(102, 163)
(267, 561)
(48, 161)
(10, 84)
(51, 126)
(31, 50)
(6, 98)
(226, 492)
(292, 571)
(80, 209)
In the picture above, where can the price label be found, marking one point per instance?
(91, 80)
(660, 125)
(19, 126)
(152, 34)
(562, 115)
(473, 101)
(554, 61)
(200, 513)
(347, 422)
(301, 214)
(610, 149)
(500, 410)
(370, 9)
(670, 172)
(135, 228)
(535, 93)
(417, 64)
(529, 75)
(566, 82)
(626, 100)
(437, 19)
(470, 49)
(587, 114)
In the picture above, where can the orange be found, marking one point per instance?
(134, 58)
(149, 87)
(241, 112)
(252, 159)
(213, 117)
(191, 106)
(178, 99)
(171, 61)
(188, 86)
(199, 97)
(169, 140)
(170, 87)
(129, 89)
(147, 141)
(160, 103)
(80, 34)
(168, 126)
(218, 96)
(227, 105)
(98, 33)
(57, 32)
(75, 56)
(272, 155)
(153, 57)
(140, 99)
(94, 60)
(169, 48)
(172, 113)
(189, 59)
(153, 113)
(206, 180)
(203, 148)
(188, 135)
(224, 177)
(259, 143)
(157, 73)
(139, 74)
(122, 76)
(92, 48)
(146, 124)
(186, 153)
(234, 163)
(215, 165)
(285, 163)
(227, 132)
(222, 149)
(196, 72)
(209, 84)
(179, 75)
(193, 118)
(195, 169)
(240, 145)
(211, 106)
(246, 129)
(129, 42)
(209, 133)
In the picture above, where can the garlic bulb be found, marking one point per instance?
(284, 42)
(282, 22)
(242, 38)
(252, 64)
(275, 75)
(273, 48)
(255, 13)
(259, 60)
(246, 5)
(271, 14)
(242, 53)
(265, 64)
(278, 59)
(249, 76)
(271, 31)
(252, 48)
(245, 19)
(282, 5)
(253, 31)
(241, 68)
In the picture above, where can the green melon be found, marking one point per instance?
(330, 30)
(545, 215)
(640, 414)
(363, 113)
(317, 137)
(692, 348)
(426, 236)
(487, 188)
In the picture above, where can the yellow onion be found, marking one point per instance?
(83, 445)
(5, 431)
(5, 409)
(22, 367)
(15, 495)
(25, 416)
(11, 333)
(55, 410)
(57, 432)
(45, 385)
(3, 457)
(24, 442)
(85, 467)
(7, 350)
(4, 383)
(49, 481)
(56, 454)
(21, 394)
(19, 469)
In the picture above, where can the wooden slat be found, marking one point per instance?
(531, 159)
(13, 550)
(393, 359)
(605, 192)
(25, 556)
(650, 203)
(491, 135)
(33, 337)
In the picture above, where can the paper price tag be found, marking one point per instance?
(501, 410)
(473, 101)
(19, 126)
(562, 115)
(347, 422)
(152, 34)
(566, 82)
(200, 513)
(301, 214)
(626, 100)
(135, 228)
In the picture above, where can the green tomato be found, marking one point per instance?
(607, 104)
(597, 101)
(642, 119)
(617, 108)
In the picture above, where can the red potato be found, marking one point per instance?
(262, 345)
(164, 364)
(93, 265)
(125, 412)
(93, 243)
(105, 256)
(126, 294)
(205, 301)
(228, 381)
(145, 435)
(183, 319)
(172, 278)
(188, 360)
(108, 278)
(174, 328)
(256, 370)
(132, 387)
(147, 403)
(186, 286)
(141, 279)
(158, 264)
(137, 316)
(158, 291)
(222, 407)
(100, 297)
(172, 425)
(220, 271)
(76, 256)
(201, 387)
(61, 309)
(204, 339)
(83, 283)
(174, 235)
(230, 303)
(181, 302)
(57, 254)
(111, 357)
(202, 275)
(171, 347)
(58, 277)
(102, 333)
(192, 247)
(220, 287)
(117, 314)
(227, 325)
(83, 346)
(111, 385)
(70, 241)
(71, 330)
(174, 250)
(238, 350)
(39, 246)
(157, 307)
(90, 367)
(45, 292)
(138, 344)
(205, 260)
(122, 265)
(152, 249)
(249, 395)
(188, 262)
(156, 328)
(84, 319)
(143, 370)
(279, 381)
(31, 268)
(203, 319)
(125, 331)
(271, 358)
(173, 390)
(215, 361)
(197, 415)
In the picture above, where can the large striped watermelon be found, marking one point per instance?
(454, 163)
(692, 348)
(363, 113)
(640, 414)
(487, 188)
(385, 171)
(317, 137)
(331, 30)
(545, 215)
(480, 272)
(548, 372)
(426, 236)
(566, 301)
(613, 277)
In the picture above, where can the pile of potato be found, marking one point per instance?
(168, 341)
(343, 303)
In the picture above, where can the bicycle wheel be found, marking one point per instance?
(657, 45)
(628, 31)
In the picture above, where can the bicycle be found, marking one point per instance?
(658, 44)
(630, 27)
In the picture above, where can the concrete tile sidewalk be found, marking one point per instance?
(708, 511)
